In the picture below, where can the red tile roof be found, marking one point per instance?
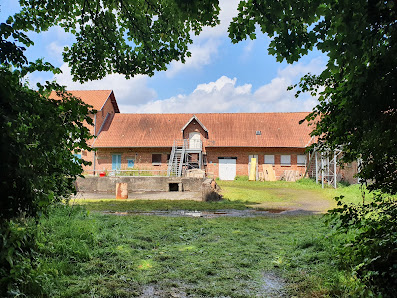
(95, 98)
(224, 130)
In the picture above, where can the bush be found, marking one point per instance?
(370, 241)
(17, 258)
(241, 178)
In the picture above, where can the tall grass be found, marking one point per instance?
(84, 254)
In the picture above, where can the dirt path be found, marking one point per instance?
(298, 199)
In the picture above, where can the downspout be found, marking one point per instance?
(94, 161)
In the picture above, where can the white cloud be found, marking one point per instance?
(202, 54)
(128, 92)
(225, 95)
(226, 14)
(205, 46)
(55, 50)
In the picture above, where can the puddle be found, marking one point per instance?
(275, 210)
(273, 286)
(212, 214)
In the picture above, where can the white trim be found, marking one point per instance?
(106, 100)
(198, 121)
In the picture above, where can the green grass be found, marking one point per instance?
(269, 191)
(93, 255)
(170, 205)
(242, 194)
(90, 254)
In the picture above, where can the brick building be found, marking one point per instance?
(220, 143)
(104, 102)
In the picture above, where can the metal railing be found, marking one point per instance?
(129, 173)
(188, 144)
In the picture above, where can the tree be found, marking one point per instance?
(357, 107)
(38, 137)
(357, 90)
(38, 134)
(122, 36)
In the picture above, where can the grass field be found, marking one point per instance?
(94, 255)
(243, 194)
(90, 254)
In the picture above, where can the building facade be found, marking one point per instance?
(221, 144)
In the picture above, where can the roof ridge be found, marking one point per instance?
(236, 113)
(90, 90)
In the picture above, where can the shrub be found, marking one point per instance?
(17, 261)
(370, 241)
(241, 178)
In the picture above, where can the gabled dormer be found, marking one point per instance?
(194, 125)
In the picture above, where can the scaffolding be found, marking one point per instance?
(323, 166)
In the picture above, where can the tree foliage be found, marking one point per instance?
(357, 109)
(357, 90)
(39, 135)
(122, 36)
(37, 141)
(371, 249)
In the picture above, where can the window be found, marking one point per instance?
(301, 160)
(269, 159)
(130, 163)
(285, 160)
(156, 159)
(116, 161)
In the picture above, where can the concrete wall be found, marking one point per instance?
(108, 184)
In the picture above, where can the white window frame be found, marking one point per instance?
(283, 162)
(269, 159)
(302, 157)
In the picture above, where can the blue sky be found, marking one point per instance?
(219, 77)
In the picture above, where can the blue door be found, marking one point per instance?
(116, 161)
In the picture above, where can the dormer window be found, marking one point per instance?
(258, 133)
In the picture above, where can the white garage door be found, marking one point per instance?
(227, 169)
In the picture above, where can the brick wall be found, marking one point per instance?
(195, 127)
(348, 172)
(242, 155)
(98, 120)
(101, 115)
(142, 158)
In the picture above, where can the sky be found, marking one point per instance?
(219, 77)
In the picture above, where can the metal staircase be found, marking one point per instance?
(175, 164)
(180, 157)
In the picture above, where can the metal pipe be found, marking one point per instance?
(94, 162)
(316, 167)
(334, 169)
(322, 171)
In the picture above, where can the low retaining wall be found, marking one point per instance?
(108, 184)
